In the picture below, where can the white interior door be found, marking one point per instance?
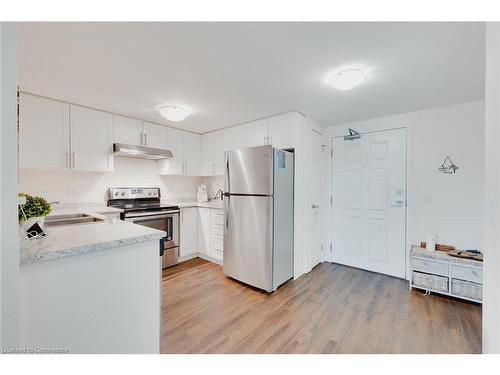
(369, 201)
(315, 186)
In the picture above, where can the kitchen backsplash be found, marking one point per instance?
(213, 183)
(68, 186)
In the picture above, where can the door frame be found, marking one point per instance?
(367, 129)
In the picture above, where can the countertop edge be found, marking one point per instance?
(41, 256)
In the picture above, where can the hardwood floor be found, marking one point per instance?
(333, 309)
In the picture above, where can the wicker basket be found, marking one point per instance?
(467, 289)
(430, 282)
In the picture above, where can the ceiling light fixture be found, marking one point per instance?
(347, 79)
(173, 113)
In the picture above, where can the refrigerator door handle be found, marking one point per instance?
(227, 174)
(226, 211)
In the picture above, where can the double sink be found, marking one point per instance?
(71, 219)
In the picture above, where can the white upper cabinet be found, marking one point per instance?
(175, 143)
(154, 135)
(127, 130)
(91, 139)
(43, 133)
(186, 150)
(282, 130)
(192, 154)
(256, 133)
(208, 154)
(56, 135)
(135, 132)
(227, 140)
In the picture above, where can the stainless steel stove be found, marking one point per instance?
(142, 206)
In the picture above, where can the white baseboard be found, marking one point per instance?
(188, 257)
(202, 256)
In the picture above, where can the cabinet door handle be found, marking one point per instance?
(67, 159)
(73, 160)
(145, 139)
(142, 136)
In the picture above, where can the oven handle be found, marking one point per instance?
(143, 218)
(151, 214)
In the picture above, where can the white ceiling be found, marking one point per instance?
(230, 73)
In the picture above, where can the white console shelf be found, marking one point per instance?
(438, 272)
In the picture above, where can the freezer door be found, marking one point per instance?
(249, 171)
(248, 240)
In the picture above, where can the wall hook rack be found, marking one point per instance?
(353, 134)
(448, 166)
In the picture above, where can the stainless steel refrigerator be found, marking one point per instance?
(258, 216)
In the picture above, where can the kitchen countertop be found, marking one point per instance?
(70, 240)
(194, 203)
(79, 208)
(417, 251)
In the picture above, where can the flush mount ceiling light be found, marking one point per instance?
(173, 113)
(346, 79)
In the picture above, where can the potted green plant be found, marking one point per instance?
(33, 211)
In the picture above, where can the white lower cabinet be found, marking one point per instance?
(201, 232)
(188, 231)
(217, 234)
(204, 236)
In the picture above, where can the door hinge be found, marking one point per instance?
(331, 247)
(331, 199)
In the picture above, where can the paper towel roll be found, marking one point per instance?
(431, 242)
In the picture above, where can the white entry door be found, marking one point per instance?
(369, 201)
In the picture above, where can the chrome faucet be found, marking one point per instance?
(218, 195)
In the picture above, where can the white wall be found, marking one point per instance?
(449, 205)
(9, 245)
(69, 186)
(491, 290)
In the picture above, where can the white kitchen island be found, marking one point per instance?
(92, 288)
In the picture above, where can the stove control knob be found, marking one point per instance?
(123, 193)
(116, 193)
(150, 193)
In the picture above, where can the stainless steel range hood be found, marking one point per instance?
(140, 152)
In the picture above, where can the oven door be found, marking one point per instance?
(167, 222)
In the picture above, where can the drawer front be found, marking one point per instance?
(429, 266)
(218, 229)
(217, 219)
(218, 255)
(467, 289)
(217, 245)
(466, 273)
(431, 282)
